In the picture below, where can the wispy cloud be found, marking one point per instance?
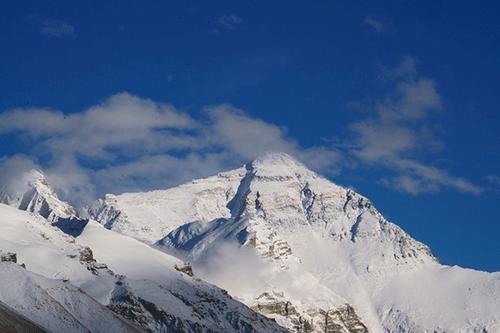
(56, 28)
(377, 25)
(406, 70)
(493, 183)
(128, 143)
(228, 22)
(397, 130)
(493, 179)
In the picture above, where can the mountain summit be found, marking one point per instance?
(311, 254)
(32, 192)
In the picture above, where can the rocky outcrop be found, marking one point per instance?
(274, 304)
(185, 268)
(342, 319)
(152, 318)
(86, 255)
(8, 257)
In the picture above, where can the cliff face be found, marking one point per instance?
(342, 319)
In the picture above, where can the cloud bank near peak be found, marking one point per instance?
(128, 143)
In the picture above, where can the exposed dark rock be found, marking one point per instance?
(342, 319)
(8, 257)
(150, 317)
(128, 306)
(86, 255)
(269, 304)
(71, 225)
(185, 268)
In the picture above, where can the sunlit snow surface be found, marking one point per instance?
(275, 226)
(62, 292)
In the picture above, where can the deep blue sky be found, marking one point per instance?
(294, 64)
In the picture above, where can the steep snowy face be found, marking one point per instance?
(313, 255)
(307, 229)
(273, 195)
(282, 202)
(51, 280)
(271, 203)
(151, 215)
(33, 193)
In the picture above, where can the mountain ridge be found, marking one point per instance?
(297, 224)
(56, 263)
(288, 243)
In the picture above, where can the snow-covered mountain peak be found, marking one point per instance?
(296, 247)
(279, 165)
(35, 179)
(278, 159)
(31, 191)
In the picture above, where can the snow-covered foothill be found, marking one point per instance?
(125, 281)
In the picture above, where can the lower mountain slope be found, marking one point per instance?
(58, 284)
(54, 305)
(12, 321)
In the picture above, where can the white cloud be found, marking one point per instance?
(233, 129)
(230, 21)
(12, 171)
(249, 137)
(56, 28)
(122, 124)
(159, 171)
(493, 180)
(71, 180)
(397, 129)
(417, 178)
(127, 143)
(374, 24)
(246, 273)
(407, 69)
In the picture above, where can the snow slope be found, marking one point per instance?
(64, 288)
(55, 305)
(152, 277)
(60, 289)
(298, 248)
(151, 215)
